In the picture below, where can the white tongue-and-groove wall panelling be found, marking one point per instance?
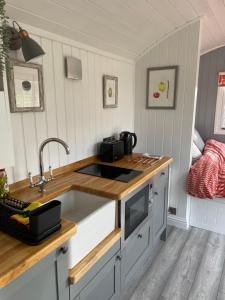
(169, 132)
(73, 109)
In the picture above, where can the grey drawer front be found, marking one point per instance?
(135, 247)
(160, 180)
(75, 289)
(105, 285)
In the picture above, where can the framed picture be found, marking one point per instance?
(25, 86)
(110, 91)
(219, 123)
(161, 87)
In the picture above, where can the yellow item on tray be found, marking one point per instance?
(23, 220)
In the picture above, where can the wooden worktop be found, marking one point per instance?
(66, 179)
(17, 257)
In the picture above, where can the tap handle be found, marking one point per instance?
(30, 178)
(50, 172)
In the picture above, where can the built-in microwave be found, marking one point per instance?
(136, 210)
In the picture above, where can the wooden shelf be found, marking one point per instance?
(93, 257)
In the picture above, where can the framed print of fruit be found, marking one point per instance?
(161, 87)
(110, 91)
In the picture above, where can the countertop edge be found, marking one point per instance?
(29, 262)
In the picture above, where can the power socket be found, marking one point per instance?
(172, 210)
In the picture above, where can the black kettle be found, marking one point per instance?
(130, 141)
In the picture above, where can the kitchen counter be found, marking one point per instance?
(17, 257)
(66, 179)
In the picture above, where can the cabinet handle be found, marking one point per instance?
(150, 202)
(140, 236)
(156, 193)
(64, 249)
(163, 173)
(118, 258)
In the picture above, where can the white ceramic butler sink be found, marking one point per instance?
(95, 217)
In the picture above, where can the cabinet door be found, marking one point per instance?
(159, 209)
(160, 180)
(134, 249)
(48, 280)
(106, 284)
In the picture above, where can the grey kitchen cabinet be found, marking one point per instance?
(102, 282)
(134, 255)
(106, 284)
(159, 205)
(140, 249)
(47, 280)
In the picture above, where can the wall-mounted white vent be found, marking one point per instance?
(73, 68)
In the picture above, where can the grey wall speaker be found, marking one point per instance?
(73, 68)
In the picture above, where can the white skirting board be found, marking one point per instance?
(208, 214)
(176, 221)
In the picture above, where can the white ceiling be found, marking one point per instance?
(124, 27)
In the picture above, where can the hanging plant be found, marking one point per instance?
(4, 38)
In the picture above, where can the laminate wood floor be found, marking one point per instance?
(190, 265)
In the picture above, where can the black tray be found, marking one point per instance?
(44, 221)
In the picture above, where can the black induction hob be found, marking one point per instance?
(110, 172)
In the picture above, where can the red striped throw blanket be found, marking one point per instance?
(206, 178)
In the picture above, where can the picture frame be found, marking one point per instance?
(110, 91)
(161, 87)
(219, 122)
(25, 87)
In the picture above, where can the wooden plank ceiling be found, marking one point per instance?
(123, 27)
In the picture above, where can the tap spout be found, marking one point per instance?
(42, 146)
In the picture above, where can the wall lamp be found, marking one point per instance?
(20, 39)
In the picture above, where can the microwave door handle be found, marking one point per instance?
(128, 216)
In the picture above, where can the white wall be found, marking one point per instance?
(169, 132)
(6, 149)
(73, 109)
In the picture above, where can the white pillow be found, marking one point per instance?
(196, 153)
(198, 140)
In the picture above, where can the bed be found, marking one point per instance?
(206, 185)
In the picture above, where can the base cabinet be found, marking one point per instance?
(102, 282)
(159, 213)
(47, 280)
(159, 204)
(137, 248)
(105, 285)
(139, 251)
